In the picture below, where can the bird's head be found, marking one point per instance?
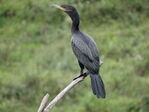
(70, 10)
(65, 8)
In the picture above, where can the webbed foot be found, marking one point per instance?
(82, 75)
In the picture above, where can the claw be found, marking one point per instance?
(82, 75)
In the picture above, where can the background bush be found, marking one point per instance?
(36, 57)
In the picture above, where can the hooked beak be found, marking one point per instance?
(59, 7)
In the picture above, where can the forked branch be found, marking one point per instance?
(44, 108)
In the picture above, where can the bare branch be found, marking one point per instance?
(62, 93)
(44, 108)
(43, 103)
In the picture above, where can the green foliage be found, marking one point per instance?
(36, 57)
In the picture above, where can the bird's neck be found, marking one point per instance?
(75, 22)
(75, 26)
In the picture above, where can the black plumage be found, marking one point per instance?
(85, 49)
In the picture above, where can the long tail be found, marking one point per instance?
(97, 86)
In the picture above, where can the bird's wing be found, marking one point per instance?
(92, 45)
(81, 49)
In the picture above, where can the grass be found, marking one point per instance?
(36, 57)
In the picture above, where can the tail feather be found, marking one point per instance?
(93, 84)
(97, 86)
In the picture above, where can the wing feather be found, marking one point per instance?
(92, 45)
(83, 48)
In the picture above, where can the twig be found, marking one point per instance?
(43, 103)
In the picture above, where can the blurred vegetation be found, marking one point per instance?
(36, 57)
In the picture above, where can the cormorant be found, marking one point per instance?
(85, 49)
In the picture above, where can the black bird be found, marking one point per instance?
(85, 49)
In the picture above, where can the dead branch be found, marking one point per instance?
(44, 108)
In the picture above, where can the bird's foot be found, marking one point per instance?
(82, 75)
